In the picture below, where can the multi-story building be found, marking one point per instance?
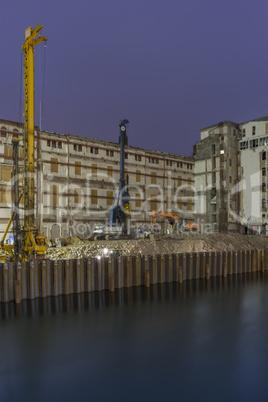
(254, 168)
(77, 178)
(231, 176)
(217, 177)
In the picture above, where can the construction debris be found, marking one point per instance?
(185, 243)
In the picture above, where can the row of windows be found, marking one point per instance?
(253, 130)
(252, 144)
(4, 132)
(54, 162)
(110, 153)
(94, 198)
(54, 144)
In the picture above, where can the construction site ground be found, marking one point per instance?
(184, 243)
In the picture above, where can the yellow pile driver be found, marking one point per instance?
(27, 242)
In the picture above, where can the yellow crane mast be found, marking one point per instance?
(27, 239)
(29, 229)
(28, 49)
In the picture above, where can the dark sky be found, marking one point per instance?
(170, 67)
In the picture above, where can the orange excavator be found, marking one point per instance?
(175, 220)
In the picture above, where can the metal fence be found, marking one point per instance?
(30, 280)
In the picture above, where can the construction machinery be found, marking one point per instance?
(27, 242)
(119, 223)
(176, 223)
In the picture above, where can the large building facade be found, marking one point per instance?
(253, 147)
(76, 179)
(217, 177)
(231, 176)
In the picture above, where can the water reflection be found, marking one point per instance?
(128, 296)
(199, 341)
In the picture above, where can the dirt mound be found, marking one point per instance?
(187, 243)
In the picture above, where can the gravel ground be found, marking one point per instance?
(189, 242)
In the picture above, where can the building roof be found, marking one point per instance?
(222, 123)
(265, 118)
(79, 137)
(232, 123)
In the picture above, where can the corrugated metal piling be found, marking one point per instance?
(31, 280)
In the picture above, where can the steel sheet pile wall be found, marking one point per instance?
(30, 280)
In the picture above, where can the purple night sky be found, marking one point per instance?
(169, 67)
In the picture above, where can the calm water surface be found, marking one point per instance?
(200, 341)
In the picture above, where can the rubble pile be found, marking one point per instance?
(77, 248)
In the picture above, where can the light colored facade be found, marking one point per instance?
(253, 146)
(77, 178)
(231, 176)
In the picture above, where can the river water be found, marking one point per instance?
(200, 341)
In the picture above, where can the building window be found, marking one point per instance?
(94, 150)
(75, 147)
(253, 130)
(77, 196)
(213, 149)
(189, 182)
(137, 200)
(263, 187)
(5, 195)
(264, 171)
(189, 204)
(126, 155)
(168, 162)
(138, 176)
(53, 144)
(230, 162)
(54, 165)
(244, 132)
(60, 145)
(179, 204)
(110, 198)
(153, 204)
(264, 204)
(179, 164)
(48, 143)
(109, 171)
(153, 160)
(153, 178)
(6, 173)
(243, 145)
(138, 158)
(263, 141)
(109, 153)
(94, 197)
(94, 169)
(8, 152)
(3, 132)
(264, 156)
(77, 168)
(253, 143)
(230, 179)
(80, 148)
(54, 196)
(179, 181)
